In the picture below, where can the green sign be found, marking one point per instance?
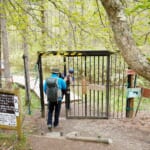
(133, 92)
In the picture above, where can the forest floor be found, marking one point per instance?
(126, 134)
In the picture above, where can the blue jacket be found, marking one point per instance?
(61, 83)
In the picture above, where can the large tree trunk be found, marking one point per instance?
(124, 40)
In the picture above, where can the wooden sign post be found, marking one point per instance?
(130, 100)
(10, 111)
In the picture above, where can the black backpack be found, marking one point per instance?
(53, 92)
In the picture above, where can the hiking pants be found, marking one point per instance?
(54, 107)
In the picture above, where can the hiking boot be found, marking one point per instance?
(56, 126)
(49, 126)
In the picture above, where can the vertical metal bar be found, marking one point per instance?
(73, 91)
(98, 89)
(118, 102)
(78, 83)
(107, 85)
(85, 93)
(90, 83)
(68, 94)
(65, 73)
(119, 87)
(110, 87)
(94, 90)
(41, 86)
(123, 86)
(82, 93)
(68, 63)
(115, 61)
(102, 84)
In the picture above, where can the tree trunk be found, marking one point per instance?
(5, 48)
(0, 49)
(124, 40)
(43, 27)
(70, 27)
(26, 63)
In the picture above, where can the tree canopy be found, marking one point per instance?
(78, 25)
(124, 37)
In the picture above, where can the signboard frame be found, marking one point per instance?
(17, 110)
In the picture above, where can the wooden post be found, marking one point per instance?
(41, 85)
(130, 101)
(10, 104)
(27, 83)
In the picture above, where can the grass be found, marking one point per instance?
(10, 141)
(8, 138)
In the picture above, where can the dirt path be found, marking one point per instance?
(126, 134)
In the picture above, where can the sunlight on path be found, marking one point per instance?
(34, 86)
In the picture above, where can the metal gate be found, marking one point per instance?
(95, 83)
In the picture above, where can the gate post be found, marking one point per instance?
(130, 101)
(39, 62)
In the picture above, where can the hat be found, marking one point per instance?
(55, 70)
(71, 70)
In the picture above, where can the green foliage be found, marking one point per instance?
(142, 5)
(83, 25)
(35, 101)
(78, 25)
(139, 19)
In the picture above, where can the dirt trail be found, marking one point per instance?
(126, 134)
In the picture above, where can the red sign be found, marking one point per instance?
(130, 71)
(146, 92)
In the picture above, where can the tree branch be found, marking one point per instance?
(124, 39)
(100, 17)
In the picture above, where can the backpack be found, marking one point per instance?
(53, 92)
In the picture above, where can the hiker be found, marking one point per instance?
(53, 87)
(61, 75)
(69, 80)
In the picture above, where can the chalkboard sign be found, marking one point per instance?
(10, 110)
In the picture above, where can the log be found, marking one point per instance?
(89, 139)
